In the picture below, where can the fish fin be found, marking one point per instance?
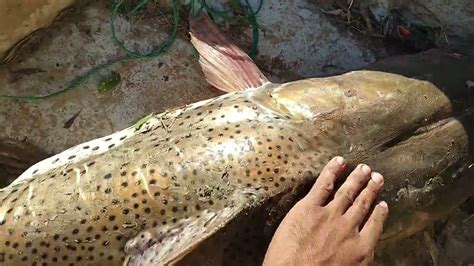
(168, 244)
(225, 65)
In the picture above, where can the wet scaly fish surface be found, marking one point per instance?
(207, 183)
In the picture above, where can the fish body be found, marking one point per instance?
(208, 182)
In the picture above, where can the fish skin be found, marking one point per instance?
(86, 215)
(229, 154)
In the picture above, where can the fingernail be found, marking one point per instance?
(383, 204)
(366, 169)
(340, 160)
(378, 178)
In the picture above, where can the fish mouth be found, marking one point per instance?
(428, 171)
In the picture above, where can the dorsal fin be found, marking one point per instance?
(225, 65)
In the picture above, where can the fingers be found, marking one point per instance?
(363, 203)
(346, 194)
(373, 228)
(324, 185)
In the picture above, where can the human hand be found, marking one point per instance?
(338, 232)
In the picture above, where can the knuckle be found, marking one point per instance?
(367, 251)
(360, 181)
(345, 223)
(348, 194)
(363, 204)
(328, 173)
(369, 254)
(327, 186)
(373, 188)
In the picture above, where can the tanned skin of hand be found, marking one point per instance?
(340, 231)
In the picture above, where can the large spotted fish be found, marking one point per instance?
(207, 183)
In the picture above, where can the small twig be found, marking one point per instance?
(350, 4)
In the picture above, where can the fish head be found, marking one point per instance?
(407, 129)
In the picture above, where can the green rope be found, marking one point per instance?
(138, 7)
(163, 47)
(250, 18)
